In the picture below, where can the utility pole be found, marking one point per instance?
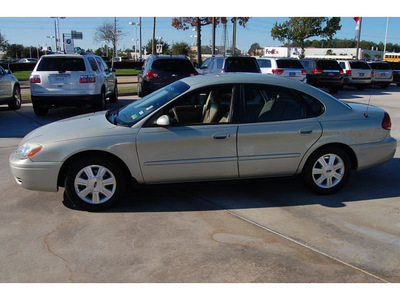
(140, 38)
(358, 39)
(213, 37)
(234, 37)
(153, 44)
(198, 28)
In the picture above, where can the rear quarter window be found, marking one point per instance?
(61, 64)
(264, 63)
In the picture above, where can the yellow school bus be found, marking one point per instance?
(392, 56)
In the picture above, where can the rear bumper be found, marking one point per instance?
(65, 100)
(373, 154)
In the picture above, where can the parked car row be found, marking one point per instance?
(324, 73)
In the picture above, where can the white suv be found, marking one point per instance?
(284, 66)
(71, 80)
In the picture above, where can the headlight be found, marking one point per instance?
(28, 150)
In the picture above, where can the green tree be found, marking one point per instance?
(184, 23)
(165, 47)
(298, 29)
(15, 51)
(253, 48)
(181, 48)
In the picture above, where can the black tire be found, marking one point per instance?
(334, 89)
(39, 109)
(94, 183)
(100, 103)
(15, 101)
(327, 170)
(140, 90)
(114, 95)
(385, 86)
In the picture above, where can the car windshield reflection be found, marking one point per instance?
(132, 113)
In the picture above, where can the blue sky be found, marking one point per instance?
(30, 25)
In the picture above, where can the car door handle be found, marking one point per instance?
(220, 136)
(306, 131)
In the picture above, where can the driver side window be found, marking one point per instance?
(206, 106)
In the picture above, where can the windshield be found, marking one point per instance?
(132, 113)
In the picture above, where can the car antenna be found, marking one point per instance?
(369, 101)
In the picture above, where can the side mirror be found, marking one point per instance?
(163, 121)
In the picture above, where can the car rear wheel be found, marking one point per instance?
(327, 170)
(100, 103)
(114, 95)
(94, 183)
(15, 101)
(39, 109)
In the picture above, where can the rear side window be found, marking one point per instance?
(93, 64)
(173, 65)
(359, 65)
(241, 64)
(264, 63)
(61, 64)
(328, 65)
(289, 64)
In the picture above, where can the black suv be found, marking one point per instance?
(395, 65)
(325, 73)
(161, 70)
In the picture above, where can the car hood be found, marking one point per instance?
(79, 127)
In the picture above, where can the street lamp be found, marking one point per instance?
(51, 37)
(136, 24)
(57, 32)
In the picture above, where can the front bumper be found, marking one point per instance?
(38, 176)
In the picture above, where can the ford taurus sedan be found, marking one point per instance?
(206, 128)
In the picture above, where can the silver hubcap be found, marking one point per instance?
(95, 184)
(328, 171)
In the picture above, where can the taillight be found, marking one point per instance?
(151, 75)
(277, 71)
(340, 71)
(386, 122)
(87, 79)
(303, 72)
(372, 73)
(194, 74)
(317, 71)
(348, 72)
(35, 79)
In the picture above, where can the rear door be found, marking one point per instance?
(291, 68)
(61, 75)
(279, 126)
(360, 70)
(330, 70)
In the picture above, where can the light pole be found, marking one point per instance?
(136, 24)
(57, 32)
(51, 37)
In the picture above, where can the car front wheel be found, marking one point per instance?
(15, 101)
(94, 183)
(327, 170)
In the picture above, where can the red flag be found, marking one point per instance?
(357, 19)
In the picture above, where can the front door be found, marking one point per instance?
(198, 144)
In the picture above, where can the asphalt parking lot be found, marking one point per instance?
(271, 230)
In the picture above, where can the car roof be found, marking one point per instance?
(170, 56)
(240, 77)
